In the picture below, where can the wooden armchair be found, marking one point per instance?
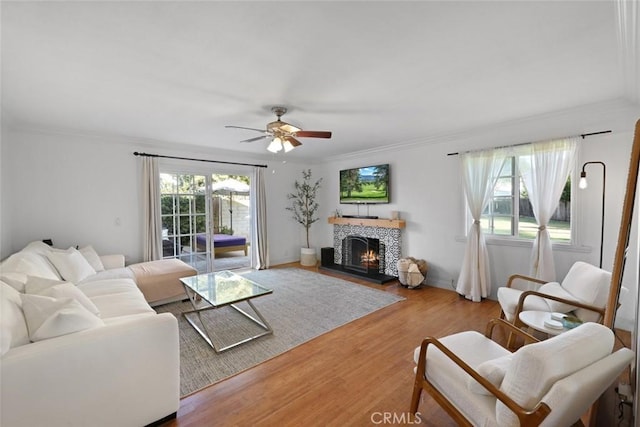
(583, 292)
(479, 382)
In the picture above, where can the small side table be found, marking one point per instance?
(536, 319)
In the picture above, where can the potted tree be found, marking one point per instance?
(304, 208)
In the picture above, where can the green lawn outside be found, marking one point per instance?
(369, 191)
(559, 231)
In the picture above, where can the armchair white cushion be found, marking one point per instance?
(584, 283)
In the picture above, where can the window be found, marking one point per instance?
(509, 211)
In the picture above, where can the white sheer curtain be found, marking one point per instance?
(544, 168)
(152, 228)
(259, 247)
(480, 170)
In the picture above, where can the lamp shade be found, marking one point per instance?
(275, 145)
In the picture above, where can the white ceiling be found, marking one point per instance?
(374, 73)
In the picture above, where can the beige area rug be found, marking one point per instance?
(303, 305)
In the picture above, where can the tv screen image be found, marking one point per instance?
(366, 185)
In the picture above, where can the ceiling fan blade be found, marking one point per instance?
(242, 127)
(289, 128)
(293, 141)
(313, 134)
(281, 126)
(257, 138)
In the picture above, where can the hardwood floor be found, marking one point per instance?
(352, 376)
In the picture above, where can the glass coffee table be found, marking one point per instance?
(220, 289)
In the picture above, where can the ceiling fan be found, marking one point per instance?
(282, 134)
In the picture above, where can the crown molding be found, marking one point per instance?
(606, 113)
(139, 143)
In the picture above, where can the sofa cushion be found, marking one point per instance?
(116, 297)
(536, 367)
(50, 317)
(116, 273)
(13, 326)
(96, 288)
(71, 265)
(58, 289)
(92, 257)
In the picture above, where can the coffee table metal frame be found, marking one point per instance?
(196, 297)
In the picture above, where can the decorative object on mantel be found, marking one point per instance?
(304, 207)
(412, 272)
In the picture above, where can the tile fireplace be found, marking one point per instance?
(367, 248)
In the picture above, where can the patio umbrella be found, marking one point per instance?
(230, 187)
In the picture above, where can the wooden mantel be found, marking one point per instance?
(366, 222)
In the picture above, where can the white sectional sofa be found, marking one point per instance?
(90, 353)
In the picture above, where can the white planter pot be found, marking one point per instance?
(308, 256)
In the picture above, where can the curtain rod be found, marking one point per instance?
(584, 135)
(135, 153)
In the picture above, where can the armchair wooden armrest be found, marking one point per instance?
(515, 277)
(574, 303)
(526, 417)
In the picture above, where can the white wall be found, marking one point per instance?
(426, 190)
(81, 190)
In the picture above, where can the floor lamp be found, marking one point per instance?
(583, 184)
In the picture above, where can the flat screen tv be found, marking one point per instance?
(365, 185)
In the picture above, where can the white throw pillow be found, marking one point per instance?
(38, 285)
(536, 367)
(493, 370)
(31, 263)
(57, 289)
(71, 265)
(50, 317)
(92, 257)
(13, 326)
(14, 279)
(554, 288)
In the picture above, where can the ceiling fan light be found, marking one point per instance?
(288, 146)
(275, 145)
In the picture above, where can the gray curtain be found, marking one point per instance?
(152, 229)
(259, 247)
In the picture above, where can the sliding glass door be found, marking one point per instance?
(185, 223)
(206, 220)
(230, 214)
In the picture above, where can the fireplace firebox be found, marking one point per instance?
(363, 254)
